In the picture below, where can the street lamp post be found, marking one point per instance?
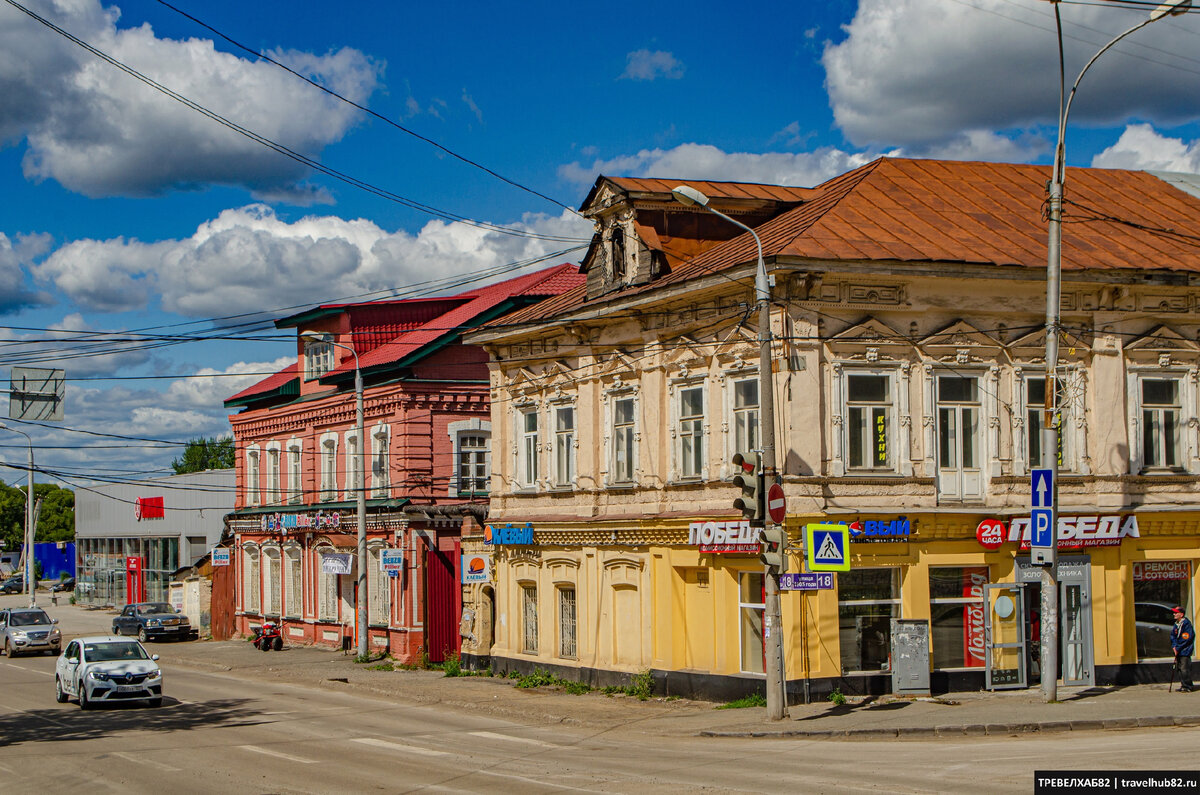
(773, 613)
(360, 488)
(1050, 430)
(29, 529)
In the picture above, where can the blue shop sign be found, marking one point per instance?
(874, 530)
(508, 535)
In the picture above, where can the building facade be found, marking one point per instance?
(427, 437)
(908, 376)
(165, 524)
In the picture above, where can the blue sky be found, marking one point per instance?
(125, 210)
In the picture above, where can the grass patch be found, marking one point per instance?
(386, 665)
(752, 700)
(836, 697)
(642, 686)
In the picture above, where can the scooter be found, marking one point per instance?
(269, 637)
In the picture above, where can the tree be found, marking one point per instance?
(56, 522)
(201, 454)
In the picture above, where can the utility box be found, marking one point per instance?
(910, 657)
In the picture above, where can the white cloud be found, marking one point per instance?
(14, 255)
(248, 260)
(703, 161)
(100, 132)
(1141, 147)
(984, 145)
(648, 65)
(210, 388)
(919, 73)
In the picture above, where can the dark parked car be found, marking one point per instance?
(63, 585)
(1154, 621)
(14, 584)
(152, 621)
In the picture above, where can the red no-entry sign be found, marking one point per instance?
(776, 504)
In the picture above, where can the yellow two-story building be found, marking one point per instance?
(908, 376)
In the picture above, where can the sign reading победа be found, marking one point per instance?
(1073, 531)
(724, 537)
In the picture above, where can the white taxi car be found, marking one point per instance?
(104, 669)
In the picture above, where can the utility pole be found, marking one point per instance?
(776, 673)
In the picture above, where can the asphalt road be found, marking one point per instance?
(223, 732)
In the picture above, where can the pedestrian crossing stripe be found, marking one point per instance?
(827, 547)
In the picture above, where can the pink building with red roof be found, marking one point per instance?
(428, 436)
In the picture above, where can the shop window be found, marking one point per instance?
(752, 608)
(566, 622)
(957, 615)
(868, 600)
(295, 485)
(529, 619)
(329, 467)
(328, 584)
(691, 432)
(251, 581)
(1158, 585)
(293, 585)
(527, 454)
(1161, 409)
(377, 590)
(273, 584)
(868, 421)
(745, 416)
(623, 440)
(564, 446)
(1035, 412)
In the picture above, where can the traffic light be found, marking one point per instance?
(774, 544)
(750, 480)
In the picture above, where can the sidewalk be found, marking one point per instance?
(958, 714)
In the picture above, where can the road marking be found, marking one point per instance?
(409, 749)
(143, 761)
(511, 739)
(30, 670)
(277, 754)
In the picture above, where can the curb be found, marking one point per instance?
(969, 729)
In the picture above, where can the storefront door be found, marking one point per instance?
(1076, 661)
(1005, 640)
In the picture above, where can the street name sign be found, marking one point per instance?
(808, 581)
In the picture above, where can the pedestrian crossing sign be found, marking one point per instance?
(827, 547)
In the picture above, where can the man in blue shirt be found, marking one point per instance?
(1183, 641)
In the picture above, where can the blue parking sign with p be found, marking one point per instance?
(1041, 531)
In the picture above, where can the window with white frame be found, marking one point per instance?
(624, 435)
(958, 421)
(564, 446)
(1035, 413)
(251, 582)
(691, 432)
(745, 416)
(529, 618)
(380, 461)
(752, 608)
(293, 586)
(473, 470)
(253, 474)
(869, 424)
(353, 467)
(567, 622)
(377, 585)
(318, 358)
(273, 581)
(527, 450)
(328, 585)
(1160, 401)
(329, 467)
(274, 492)
(295, 484)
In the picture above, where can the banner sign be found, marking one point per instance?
(808, 581)
(476, 568)
(973, 580)
(336, 563)
(301, 521)
(1073, 531)
(221, 556)
(148, 508)
(724, 537)
(863, 532)
(1158, 570)
(391, 560)
(516, 535)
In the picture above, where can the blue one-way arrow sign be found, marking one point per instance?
(1041, 488)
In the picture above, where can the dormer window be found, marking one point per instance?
(618, 253)
(318, 358)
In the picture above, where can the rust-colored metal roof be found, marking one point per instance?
(269, 384)
(934, 211)
(728, 190)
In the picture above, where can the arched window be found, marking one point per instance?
(294, 583)
(618, 253)
(327, 585)
(251, 582)
(272, 581)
